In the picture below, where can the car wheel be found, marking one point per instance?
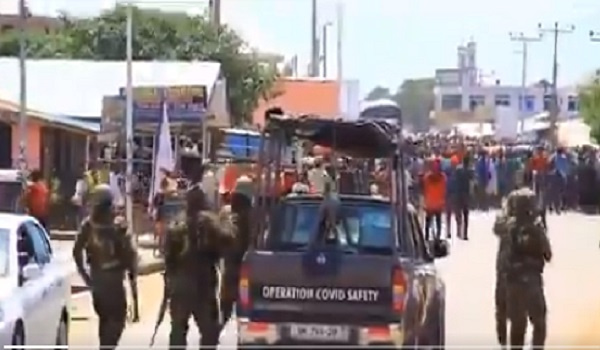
(18, 337)
(62, 333)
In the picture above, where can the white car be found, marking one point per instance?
(35, 287)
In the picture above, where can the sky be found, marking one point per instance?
(387, 41)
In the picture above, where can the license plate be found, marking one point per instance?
(324, 333)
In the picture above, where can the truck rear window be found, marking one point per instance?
(369, 226)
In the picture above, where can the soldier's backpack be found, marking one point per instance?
(526, 232)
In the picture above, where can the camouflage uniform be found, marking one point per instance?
(527, 251)
(239, 213)
(501, 231)
(192, 252)
(110, 254)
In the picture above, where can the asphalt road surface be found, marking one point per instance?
(572, 291)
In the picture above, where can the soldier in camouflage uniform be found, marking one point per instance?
(501, 231)
(110, 253)
(192, 251)
(240, 212)
(525, 251)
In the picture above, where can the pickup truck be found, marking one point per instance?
(371, 288)
(35, 286)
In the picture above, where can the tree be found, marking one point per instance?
(158, 36)
(589, 107)
(415, 97)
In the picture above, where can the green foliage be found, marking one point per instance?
(415, 97)
(589, 107)
(157, 36)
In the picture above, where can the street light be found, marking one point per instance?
(324, 38)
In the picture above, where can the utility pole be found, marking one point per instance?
(555, 30)
(129, 122)
(525, 41)
(340, 39)
(595, 37)
(23, 15)
(314, 42)
(324, 40)
(214, 7)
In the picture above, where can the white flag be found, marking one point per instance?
(163, 155)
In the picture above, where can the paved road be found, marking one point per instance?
(572, 290)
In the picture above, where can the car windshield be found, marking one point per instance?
(4, 252)
(10, 193)
(368, 226)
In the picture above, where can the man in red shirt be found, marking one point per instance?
(37, 198)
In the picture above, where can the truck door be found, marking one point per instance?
(424, 271)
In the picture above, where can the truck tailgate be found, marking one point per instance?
(288, 286)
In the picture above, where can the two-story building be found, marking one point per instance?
(462, 96)
(525, 102)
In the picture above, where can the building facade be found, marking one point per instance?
(526, 102)
(461, 95)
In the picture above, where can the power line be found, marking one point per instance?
(525, 41)
(555, 30)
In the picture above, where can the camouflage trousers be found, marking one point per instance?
(110, 304)
(526, 301)
(198, 301)
(500, 297)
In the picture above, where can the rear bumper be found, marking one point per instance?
(264, 333)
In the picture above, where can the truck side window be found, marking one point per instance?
(39, 242)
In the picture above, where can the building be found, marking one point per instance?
(11, 20)
(461, 95)
(302, 96)
(77, 88)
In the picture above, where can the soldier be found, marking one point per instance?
(501, 231)
(241, 210)
(110, 253)
(192, 252)
(527, 251)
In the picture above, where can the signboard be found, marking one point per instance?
(447, 77)
(185, 103)
(113, 115)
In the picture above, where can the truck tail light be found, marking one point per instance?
(399, 289)
(244, 288)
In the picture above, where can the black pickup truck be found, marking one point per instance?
(370, 288)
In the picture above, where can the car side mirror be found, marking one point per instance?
(439, 248)
(31, 271)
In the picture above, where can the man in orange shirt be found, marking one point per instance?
(434, 192)
(37, 198)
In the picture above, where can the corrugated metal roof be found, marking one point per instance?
(76, 87)
(91, 126)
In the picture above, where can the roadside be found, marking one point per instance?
(149, 263)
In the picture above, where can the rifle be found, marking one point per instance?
(135, 314)
(161, 310)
